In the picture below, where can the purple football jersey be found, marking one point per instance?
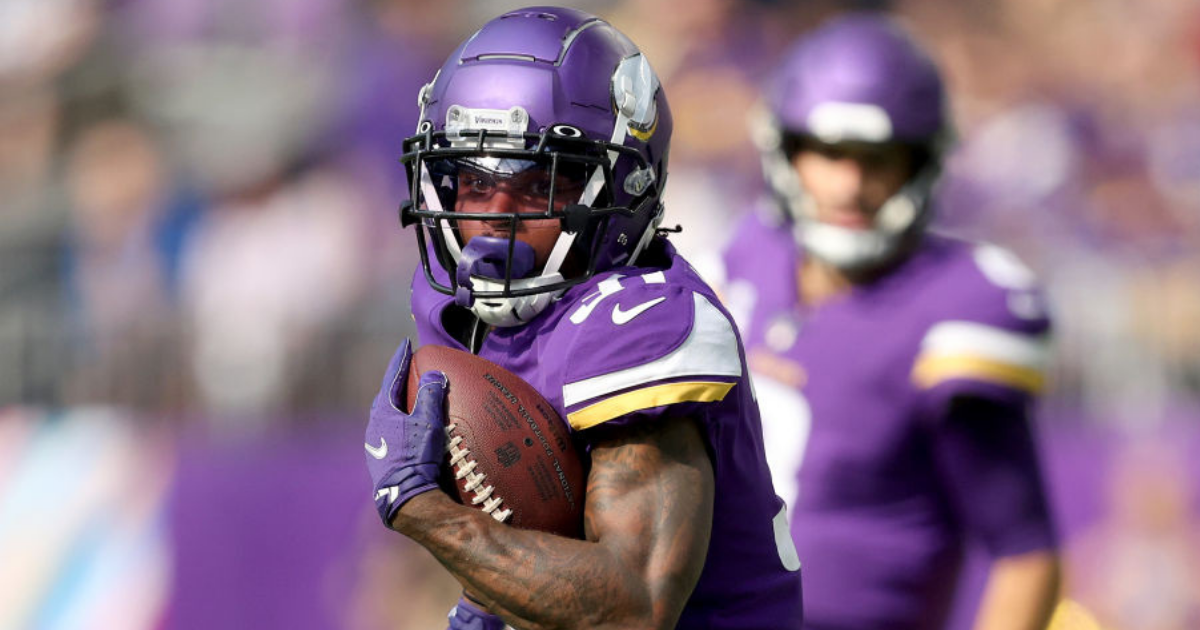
(854, 394)
(636, 343)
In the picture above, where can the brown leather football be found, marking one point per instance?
(508, 451)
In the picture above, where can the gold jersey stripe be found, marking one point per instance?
(933, 369)
(647, 398)
(1071, 615)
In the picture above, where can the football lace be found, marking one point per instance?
(464, 468)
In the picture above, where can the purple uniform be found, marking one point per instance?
(630, 346)
(858, 398)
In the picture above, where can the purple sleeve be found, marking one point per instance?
(986, 453)
(988, 330)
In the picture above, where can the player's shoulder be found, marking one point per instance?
(982, 282)
(636, 313)
(633, 330)
(987, 319)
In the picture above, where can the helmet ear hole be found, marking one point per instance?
(566, 131)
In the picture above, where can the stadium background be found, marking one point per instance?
(202, 277)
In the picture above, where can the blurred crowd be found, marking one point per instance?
(198, 218)
(199, 195)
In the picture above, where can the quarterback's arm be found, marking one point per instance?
(987, 451)
(648, 516)
(1022, 592)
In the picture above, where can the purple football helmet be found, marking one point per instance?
(861, 79)
(556, 105)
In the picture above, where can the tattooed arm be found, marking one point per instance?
(648, 517)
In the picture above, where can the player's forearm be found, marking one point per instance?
(533, 579)
(648, 519)
(1021, 592)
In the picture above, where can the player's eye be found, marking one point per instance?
(476, 184)
(532, 185)
(570, 185)
(835, 154)
(876, 160)
(541, 185)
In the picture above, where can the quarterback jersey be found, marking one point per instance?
(856, 397)
(630, 346)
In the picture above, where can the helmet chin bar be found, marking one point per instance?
(900, 219)
(513, 311)
(845, 249)
(488, 257)
(484, 259)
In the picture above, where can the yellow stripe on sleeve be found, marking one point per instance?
(647, 398)
(1071, 615)
(931, 370)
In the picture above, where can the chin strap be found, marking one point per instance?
(902, 217)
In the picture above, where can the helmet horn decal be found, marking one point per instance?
(634, 85)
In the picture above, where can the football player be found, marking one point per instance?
(895, 367)
(537, 174)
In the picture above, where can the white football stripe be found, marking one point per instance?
(711, 349)
(784, 543)
(654, 277)
(960, 338)
(1003, 268)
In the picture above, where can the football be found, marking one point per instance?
(508, 451)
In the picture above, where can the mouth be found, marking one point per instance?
(850, 219)
(497, 233)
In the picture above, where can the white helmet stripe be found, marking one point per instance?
(557, 255)
(595, 184)
(435, 205)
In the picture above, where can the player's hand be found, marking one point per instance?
(468, 616)
(404, 451)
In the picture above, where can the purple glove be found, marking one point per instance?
(467, 616)
(404, 451)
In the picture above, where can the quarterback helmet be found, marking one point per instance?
(564, 112)
(858, 79)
